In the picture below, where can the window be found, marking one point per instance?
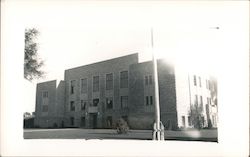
(109, 81)
(202, 121)
(151, 100)
(183, 121)
(146, 80)
(189, 121)
(147, 100)
(45, 94)
(196, 100)
(200, 81)
(83, 105)
(124, 79)
(72, 86)
(45, 108)
(150, 79)
(95, 83)
(201, 102)
(72, 120)
(72, 106)
(109, 121)
(109, 103)
(95, 102)
(124, 101)
(194, 80)
(84, 85)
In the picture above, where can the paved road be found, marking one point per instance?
(77, 133)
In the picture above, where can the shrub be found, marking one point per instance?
(122, 126)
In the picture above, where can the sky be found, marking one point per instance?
(81, 32)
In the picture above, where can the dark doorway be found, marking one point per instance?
(93, 120)
(82, 121)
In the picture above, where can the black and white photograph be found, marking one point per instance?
(98, 74)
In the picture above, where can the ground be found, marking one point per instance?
(77, 133)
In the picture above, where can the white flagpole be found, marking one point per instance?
(158, 135)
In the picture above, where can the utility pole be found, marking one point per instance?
(158, 126)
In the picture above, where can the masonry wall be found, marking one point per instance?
(141, 115)
(114, 66)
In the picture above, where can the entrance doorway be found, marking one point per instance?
(93, 120)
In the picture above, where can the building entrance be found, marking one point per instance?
(93, 120)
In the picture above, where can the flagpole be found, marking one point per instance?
(158, 127)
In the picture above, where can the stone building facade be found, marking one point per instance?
(97, 95)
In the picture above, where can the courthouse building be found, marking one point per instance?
(98, 94)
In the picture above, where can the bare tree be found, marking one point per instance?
(195, 114)
(32, 64)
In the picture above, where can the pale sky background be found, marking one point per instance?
(80, 32)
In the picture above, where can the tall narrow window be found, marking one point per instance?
(124, 101)
(150, 79)
(200, 81)
(196, 99)
(109, 81)
(72, 86)
(183, 121)
(84, 85)
(83, 105)
(194, 80)
(189, 121)
(151, 100)
(72, 106)
(109, 103)
(95, 83)
(109, 121)
(147, 100)
(146, 80)
(124, 79)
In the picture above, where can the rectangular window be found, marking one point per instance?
(45, 94)
(150, 79)
(194, 80)
(200, 81)
(147, 100)
(95, 102)
(109, 103)
(83, 105)
(151, 100)
(109, 81)
(183, 121)
(72, 120)
(124, 101)
(201, 103)
(189, 121)
(45, 108)
(84, 85)
(146, 80)
(196, 100)
(95, 83)
(109, 121)
(202, 121)
(72, 106)
(124, 79)
(72, 86)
